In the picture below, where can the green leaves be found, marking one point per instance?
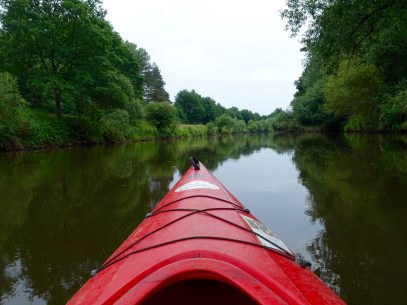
(162, 115)
(190, 103)
(355, 62)
(353, 92)
(12, 107)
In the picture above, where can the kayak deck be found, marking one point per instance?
(200, 245)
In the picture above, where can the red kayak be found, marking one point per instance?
(200, 245)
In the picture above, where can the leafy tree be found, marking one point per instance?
(154, 85)
(162, 115)
(337, 28)
(393, 111)
(225, 120)
(353, 92)
(115, 91)
(252, 126)
(12, 107)
(234, 113)
(212, 111)
(115, 124)
(309, 100)
(347, 44)
(190, 103)
(246, 115)
(54, 45)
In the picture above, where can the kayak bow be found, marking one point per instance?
(200, 245)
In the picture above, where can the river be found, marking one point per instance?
(340, 200)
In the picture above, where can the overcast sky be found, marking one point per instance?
(235, 51)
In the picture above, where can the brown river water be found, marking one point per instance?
(339, 200)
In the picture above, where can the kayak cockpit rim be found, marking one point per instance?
(199, 292)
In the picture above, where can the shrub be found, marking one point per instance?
(212, 129)
(252, 126)
(163, 116)
(143, 130)
(12, 110)
(189, 131)
(224, 120)
(115, 125)
(46, 129)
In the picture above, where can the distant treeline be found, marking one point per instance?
(355, 75)
(67, 77)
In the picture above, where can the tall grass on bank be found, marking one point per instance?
(190, 131)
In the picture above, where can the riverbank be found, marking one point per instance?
(47, 132)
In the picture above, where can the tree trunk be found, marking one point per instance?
(57, 97)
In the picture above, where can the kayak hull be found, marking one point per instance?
(200, 242)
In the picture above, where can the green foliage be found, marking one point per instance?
(81, 82)
(190, 103)
(12, 110)
(116, 91)
(225, 120)
(239, 126)
(353, 92)
(330, 37)
(344, 60)
(212, 129)
(190, 131)
(234, 113)
(45, 129)
(308, 103)
(115, 125)
(162, 116)
(55, 48)
(393, 111)
(252, 126)
(143, 130)
(212, 109)
(135, 110)
(154, 85)
(283, 121)
(247, 115)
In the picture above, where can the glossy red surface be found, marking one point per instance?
(207, 247)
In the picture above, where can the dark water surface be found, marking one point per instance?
(339, 200)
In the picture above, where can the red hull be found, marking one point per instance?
(200, 246)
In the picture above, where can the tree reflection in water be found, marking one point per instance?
(63, 212)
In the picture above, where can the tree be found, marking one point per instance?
(12, 107)
(309, 100)
(212, 110)
(354, 91)
(190, 103)
(234, 113)
(225, 120)
(56, 48)
(246, 115)
(162, 115)
(338, 28)
(154, 85)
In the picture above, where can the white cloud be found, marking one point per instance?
(236, 52)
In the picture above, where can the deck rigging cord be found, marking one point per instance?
(119, 256)
(195, 163)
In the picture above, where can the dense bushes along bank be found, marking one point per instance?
(67, 77)
(355, 70)
(22, 127)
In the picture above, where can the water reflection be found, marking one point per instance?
(339, 200)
